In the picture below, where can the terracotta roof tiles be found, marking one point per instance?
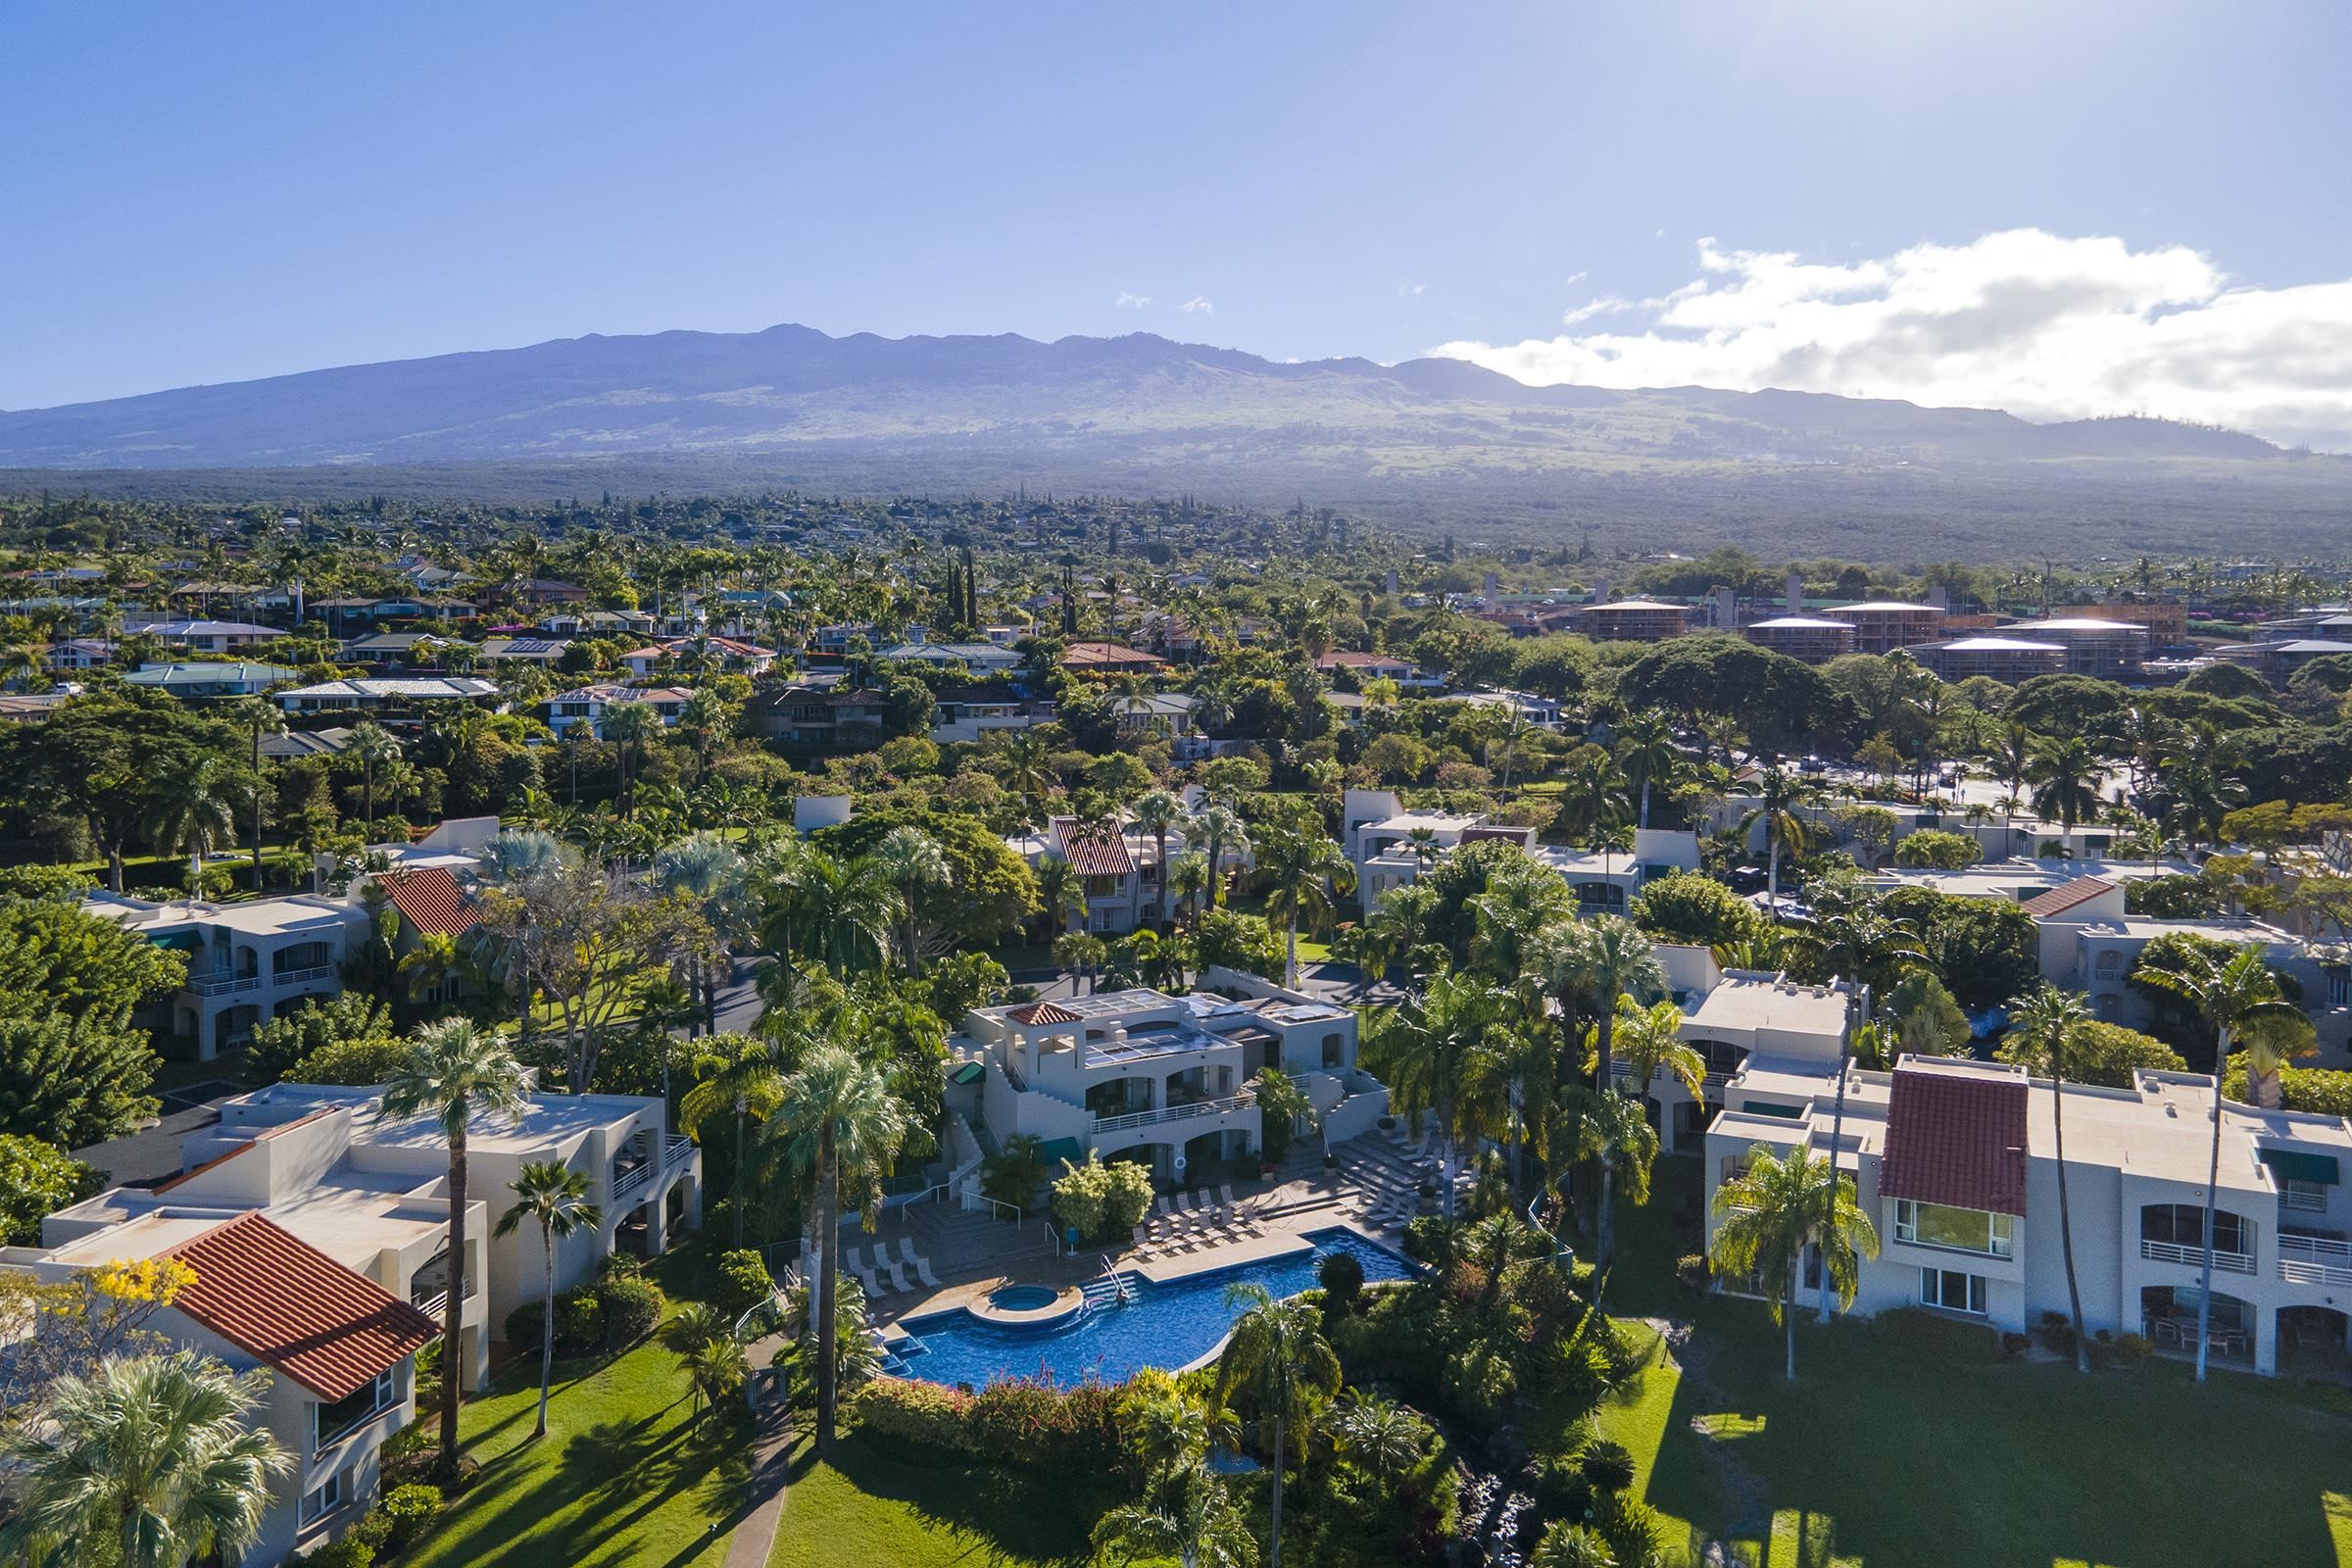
(294, 1308)
(2060, 899)
(1957, 1138)
(430, 900)
(1038, 1013)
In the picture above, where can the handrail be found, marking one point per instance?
(2173, 1253)
(629, 1180)
(1184, 1112)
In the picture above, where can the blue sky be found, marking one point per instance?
(210, 194)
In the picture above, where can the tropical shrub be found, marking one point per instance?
(1433, 1238)
(2103, 1053)
(410, 1510)
(1686, 906)
(579, 1322)
(1632, 1528)
(1342, 1277)
(912, 1411)
(743, 1282)
(1605, 1466)
(1941, 851)
(1692, 1270)
(35, 1182)
(631, 1307)
(2131, 1350)
(1101, 1198)
(2326, 1090)
(1482, 1384)
(1030, 1422)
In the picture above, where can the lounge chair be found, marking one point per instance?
(1225, 1195)
(1165, 1214)
(899, 1277)
(1143, 1241)
(921, 1265)
(1187, 1217)
(855, 1262)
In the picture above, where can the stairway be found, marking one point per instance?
(1103, 1290)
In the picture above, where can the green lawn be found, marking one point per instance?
(1881, 1454)
(867, 1507)
(625, 1477)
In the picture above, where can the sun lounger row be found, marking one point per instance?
(1177, 1224)
(903, 1272)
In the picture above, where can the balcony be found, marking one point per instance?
(221, 985)
(2314, 1260)
(1184, 1112)
(674, 1149)
(625, 1182)
(299, 977)
(2194, 1257)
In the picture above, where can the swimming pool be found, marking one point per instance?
(1170, 1325)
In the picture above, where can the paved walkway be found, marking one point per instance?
(771, 1457)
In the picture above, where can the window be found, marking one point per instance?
(1963, 1230)
(1953, 1291)
(2339, 985)
(2183, 1225)
(2108, 965)
(330, 1420)
(2303, 1195)
(323, 1500)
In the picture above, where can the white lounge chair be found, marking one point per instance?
(901, 1278)
(1225, 1197)
(1144, 1245)
(1164, 1216)
(856, 1263)
(921, 1265)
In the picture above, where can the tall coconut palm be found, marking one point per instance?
(1780, 799)
(1061, 891)
(1304, 872)
(912, 860)
(261, 718)
(2065, 777)
(1588, 967)
(836, 1118)
(1422, 1049)
(1155, 814)
(1188, 880)
(1767, 1215)
(630, 727)
(840, 913)
(1219, 831)
(2232, 994)
(1593, 802)
(453, 1074)
(189, 809)
(1276, 1356)
(555, 1197)
(1649, 1040)
(712, 872)
(372, 745)
(2044, 1022)
(1646, 752)
(1193, 1521)
(141, 1462)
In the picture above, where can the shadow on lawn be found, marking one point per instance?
(1003, 1516)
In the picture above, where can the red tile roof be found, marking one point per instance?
(430, 899)
(1956, 1137)
(295, 1308)
(2059, 900)
(1096, 849)
(1043, 1012)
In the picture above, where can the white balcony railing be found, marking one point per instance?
(676, 1149)
(2314, 1261)
(2194, 1257)
(632, 1179)
(1151, 1118)
(220, 985)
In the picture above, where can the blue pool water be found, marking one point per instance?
(1169, 1325)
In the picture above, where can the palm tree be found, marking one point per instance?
(1278, 1355)
(189, 809)
(1646, 751)
(2231, 994)
(1424, 1049)
(1217, 829)
(738, 1073)
(1062, 893)
(1381, 1437)
(837, 1117)
(1155, 814)
(141, 1462)
(2065, 777)
(554, 1194)
(1196, 1523)
(628, 726)
(1650, 1041)
(838, 912)
(262, 717)
(1780, 799)
(1593, 801)
(1571, 1546)
(1305, 870)
(707, 869)
(914, 862)
(370, 746)
(1188, 879)
(434, 961)
(1766, 1217)
(1588, 967)
(2013, 765)
(453, 1074)
(2045, 1021)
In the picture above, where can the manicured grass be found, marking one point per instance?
(1884, 1453)
(626, 1477)
(865, 1506)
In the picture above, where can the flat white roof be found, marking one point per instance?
(1798, 624)
(1997, 645)
(2074, 624)
(1743, 1002)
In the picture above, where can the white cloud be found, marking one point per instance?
(1575, 278)
(1132, 301)
(1411, 291)
(2044, 326)
(1198, 305)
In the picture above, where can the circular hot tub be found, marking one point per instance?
(1027, 1305)
(1023, 1298)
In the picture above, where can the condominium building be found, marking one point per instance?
(2108, 650)
(1163, 1079)
(1955, 1163)
(320, 1238)
(1124, 881)
(2007, 660)
(1633, 621)
(246, 961)
(1881, 626)
(590, 706)
(1813, 639)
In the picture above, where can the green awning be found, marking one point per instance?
(2295, 1164)
(179, 940)
(970, 1072)
(1068, 1148)
(1766, 1108)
